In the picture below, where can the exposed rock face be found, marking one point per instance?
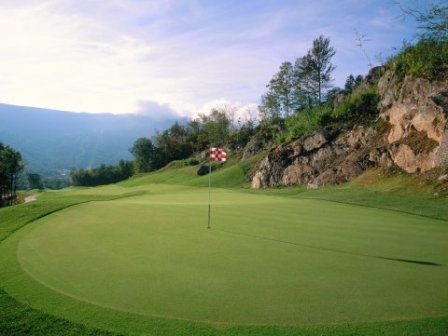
(418, 134)
(321, 159)
(256, 145)
(414, 137)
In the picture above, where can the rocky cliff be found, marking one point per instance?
(411, 133)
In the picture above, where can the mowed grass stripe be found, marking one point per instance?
(158, 259)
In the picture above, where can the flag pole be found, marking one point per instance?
(209, 185)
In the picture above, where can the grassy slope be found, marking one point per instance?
(18, 319)
(375, 188)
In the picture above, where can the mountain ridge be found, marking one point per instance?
(52, 140)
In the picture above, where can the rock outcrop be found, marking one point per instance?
(256, 145)
(413, 136)
(322, 159)
(417, 113)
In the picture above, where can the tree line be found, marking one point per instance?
(180, 141)
(10, 167)
(300, 85)
(104, 174)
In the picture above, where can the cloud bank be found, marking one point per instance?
(174, 56)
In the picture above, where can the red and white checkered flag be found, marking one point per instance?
(218, 154)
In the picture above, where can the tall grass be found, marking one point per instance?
(427, 59)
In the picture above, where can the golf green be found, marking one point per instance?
(266, 259)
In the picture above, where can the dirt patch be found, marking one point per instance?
(31, 198)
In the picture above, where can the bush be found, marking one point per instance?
(304, 123)
(361, 107)
(191, 162)
(427, 59)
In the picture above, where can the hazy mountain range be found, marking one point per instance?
(51, 141)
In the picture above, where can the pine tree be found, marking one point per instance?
(314, 70)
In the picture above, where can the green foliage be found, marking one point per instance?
(145, 155)
(301, 86)
(171, 144)
(191, 162)
(180, 163)
(238, 138)
(181, 141)
(361, 107)
(214, 128)
(435, 23)
(315, 68)
(34, 181)
(57, 182)
(280, 96)
(433, 19)
(428, 59)
(352, 83)
(102, 175)
(270, 129)
(304, 123)
(10, 166)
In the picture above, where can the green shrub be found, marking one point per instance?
(427, 59)
(304, 123)
(191, 162)
(361, 107)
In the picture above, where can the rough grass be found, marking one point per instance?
(379, 188)
(232, 175)
(389, 192)
(427, 59)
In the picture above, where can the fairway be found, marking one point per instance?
(267, 260)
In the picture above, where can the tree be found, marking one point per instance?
(281, 87)
(313, 71)
(10, 166)
(215, 127)
(194, 129)
(173, 144)
(352, 82)
(145, 155)
(349, 83)
(433, 20)
(269, 108)
(102, 175)
(34, 181)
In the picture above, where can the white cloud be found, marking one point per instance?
(57, 55)
(156, 111)
(238, 111)
(112, 56)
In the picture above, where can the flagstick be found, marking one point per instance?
(209, 187)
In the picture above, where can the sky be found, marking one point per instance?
(179, 57)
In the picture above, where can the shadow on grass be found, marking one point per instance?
(409, 261)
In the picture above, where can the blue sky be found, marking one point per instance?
(178, 56)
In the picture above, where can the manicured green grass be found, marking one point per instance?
(380, 189)
(274, 263)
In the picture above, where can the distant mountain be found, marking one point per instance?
(51, 141)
